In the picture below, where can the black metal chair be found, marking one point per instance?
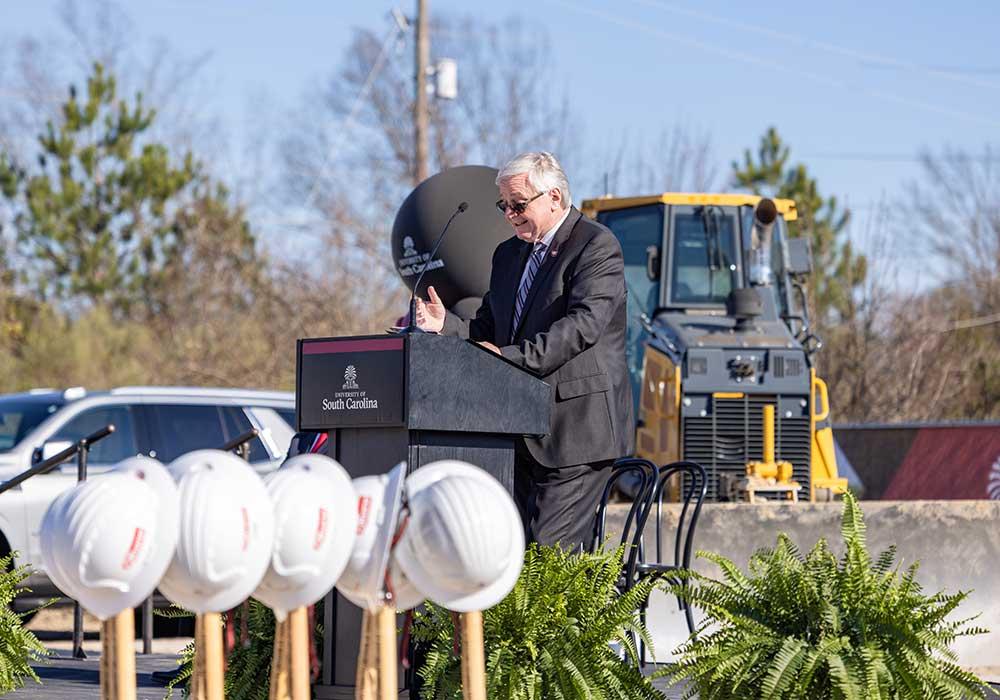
(693, 488)
(647, 473)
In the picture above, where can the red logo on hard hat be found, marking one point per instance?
(364, 510)
(138, 537)
(246, 528)
(320, 529)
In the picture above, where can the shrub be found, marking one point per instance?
(819, 627)
(551, 637)
(19, 648)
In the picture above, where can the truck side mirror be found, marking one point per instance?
(799, 256)
(54, 447)
(653, 262)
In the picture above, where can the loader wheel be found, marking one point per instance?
(824, 495)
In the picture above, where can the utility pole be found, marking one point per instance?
(420, 118)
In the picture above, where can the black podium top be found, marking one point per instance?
(421, 381)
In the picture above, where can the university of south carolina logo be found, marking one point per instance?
(352, 398)
(993, 486)
(350, 377)
(413, 262)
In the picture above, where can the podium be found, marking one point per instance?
(416, 398)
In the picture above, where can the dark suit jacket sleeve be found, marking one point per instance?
(482, 326)
(596, 289)
(478, 328)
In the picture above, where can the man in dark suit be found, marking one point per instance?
(556, 307)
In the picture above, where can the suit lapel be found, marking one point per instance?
(542, 276)
(504, 303)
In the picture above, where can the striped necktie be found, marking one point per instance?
(534, 262)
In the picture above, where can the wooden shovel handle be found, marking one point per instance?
(298, 648)
(108, 691)
(473, 657)
(388, 683)
(207, 681)
(117, 666)
(366, 679)
(279, 689)
(124, 656)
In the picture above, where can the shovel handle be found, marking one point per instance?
(107, 665)
(366, 680)
(207, 678)
(124, 656)
(388, 684)
(473, 657)
(298, 648)
(279, 688)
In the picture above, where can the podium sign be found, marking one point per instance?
(350, 383)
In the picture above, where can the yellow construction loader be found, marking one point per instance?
(720, 348)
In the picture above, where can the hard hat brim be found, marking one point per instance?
(369, 590)
(228, 475)
(331, 483)
(424, 580)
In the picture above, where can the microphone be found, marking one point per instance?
(412, 326)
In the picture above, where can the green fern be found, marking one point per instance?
(819, 627)
(551, 637)
(19, 648)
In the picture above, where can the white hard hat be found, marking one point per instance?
(363, 581)
(226, 532)
(168, 522)
(107, 530)
(54, 523)
(463, 546)
(315, 518)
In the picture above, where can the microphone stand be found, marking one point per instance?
(412, 326)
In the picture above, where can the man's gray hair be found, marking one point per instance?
(544, 173)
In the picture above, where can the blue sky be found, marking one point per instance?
(857, 89)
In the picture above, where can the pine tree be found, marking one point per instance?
(105, 218)
(837, 269)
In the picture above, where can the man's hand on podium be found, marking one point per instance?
(490, 346)
(430, 314)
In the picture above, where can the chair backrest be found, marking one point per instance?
(647, 473)
(694, 487)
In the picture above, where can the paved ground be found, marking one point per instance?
(71, 679)
(65, 677)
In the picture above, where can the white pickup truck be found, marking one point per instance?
(161, 422)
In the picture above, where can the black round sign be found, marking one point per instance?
(461, 267)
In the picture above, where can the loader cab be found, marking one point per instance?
(685, 253)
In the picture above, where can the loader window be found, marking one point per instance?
(637, 229)
(703, 269)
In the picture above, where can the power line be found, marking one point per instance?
(957, 70)
(348, 122)
(752, 59)
(976, 322)
(863, 56)
(891, 157)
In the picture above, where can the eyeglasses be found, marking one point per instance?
(516, 207)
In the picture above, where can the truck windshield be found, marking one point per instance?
(18, 417)
(704, 256)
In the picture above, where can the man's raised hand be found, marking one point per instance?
(430, 314)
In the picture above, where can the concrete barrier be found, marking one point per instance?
(956, 542)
